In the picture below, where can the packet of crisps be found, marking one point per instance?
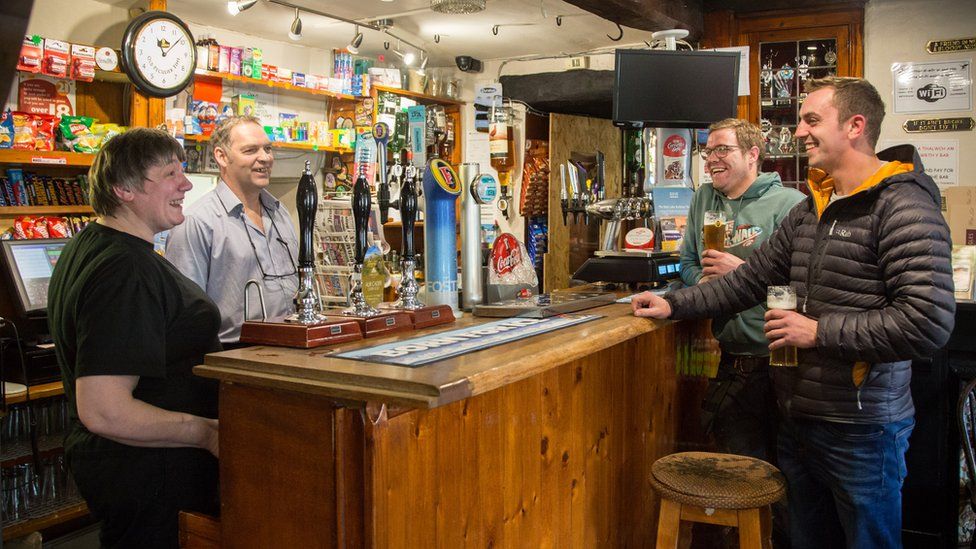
(57, 227)
(40, 228)
(43, 131)
(6, 129)
(23, 131)
(23, 228)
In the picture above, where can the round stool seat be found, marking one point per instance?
(717, 481)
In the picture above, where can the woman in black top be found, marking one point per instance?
(128, 329)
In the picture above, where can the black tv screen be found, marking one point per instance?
(29, 264)
(674, 89)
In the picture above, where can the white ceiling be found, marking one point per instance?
(415, 22)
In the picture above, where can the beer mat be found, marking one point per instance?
(422, 350)
(628, 299)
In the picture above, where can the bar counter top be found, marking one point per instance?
(314, 371)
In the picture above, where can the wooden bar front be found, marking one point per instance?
(546, 442)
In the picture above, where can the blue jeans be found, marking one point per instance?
(844, 482)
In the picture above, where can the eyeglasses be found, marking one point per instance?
(720, 152)
(280, 240)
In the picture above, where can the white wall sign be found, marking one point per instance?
(932, 86)
(940, 158)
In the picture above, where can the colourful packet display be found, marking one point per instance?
(6, 130)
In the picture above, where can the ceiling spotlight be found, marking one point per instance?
(295, 33)
(422, 71)
(356, 41)
(408, 57)
(237, 6)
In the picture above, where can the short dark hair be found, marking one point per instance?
(746, 133)
(854, 96)
(221, 134)
(124, 161)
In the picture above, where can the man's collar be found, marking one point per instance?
(233, 205)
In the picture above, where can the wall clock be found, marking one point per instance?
(158, 53)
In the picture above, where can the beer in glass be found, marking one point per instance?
(714, 230)
(782, 297)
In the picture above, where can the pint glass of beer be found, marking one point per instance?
(714, 230)
(782, 297)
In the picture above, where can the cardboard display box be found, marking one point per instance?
(959, 209)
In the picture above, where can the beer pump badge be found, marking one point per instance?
(485, 188)
(445, 176)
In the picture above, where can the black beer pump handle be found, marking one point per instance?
(360, 214)
(381, 133)
(408, 214)
(306, 203)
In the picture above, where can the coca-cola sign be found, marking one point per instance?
(505, 254)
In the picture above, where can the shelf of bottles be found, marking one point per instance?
(786, 66)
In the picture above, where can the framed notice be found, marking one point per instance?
(932, 86)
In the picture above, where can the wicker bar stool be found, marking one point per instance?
(723, 489)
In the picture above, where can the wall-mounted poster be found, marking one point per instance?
(932, 86)
(939, 157)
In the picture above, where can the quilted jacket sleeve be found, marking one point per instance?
(914, 251)
(744, 287)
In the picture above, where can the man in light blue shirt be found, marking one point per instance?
(239, 232)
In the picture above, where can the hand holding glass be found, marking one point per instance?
(782, 297)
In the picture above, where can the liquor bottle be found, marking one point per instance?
(501, 149)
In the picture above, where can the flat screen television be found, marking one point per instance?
(674, 89)
(29, 264)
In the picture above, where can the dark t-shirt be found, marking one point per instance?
(116, 307)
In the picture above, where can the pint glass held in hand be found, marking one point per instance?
(714, 230)
(782, 297)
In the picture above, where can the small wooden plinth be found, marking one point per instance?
(383, 323)
(431, 315)
(306, 336)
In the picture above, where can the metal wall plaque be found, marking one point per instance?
(946, 46)
(961, 124)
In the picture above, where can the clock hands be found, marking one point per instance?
(173, 45)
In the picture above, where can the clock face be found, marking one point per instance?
(159, 53)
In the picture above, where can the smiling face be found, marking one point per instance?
(246, 160)
(821, 133)
(733, 174)
(159, 205)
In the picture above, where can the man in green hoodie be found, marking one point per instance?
(740, 407)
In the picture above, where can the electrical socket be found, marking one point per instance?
(582, 62)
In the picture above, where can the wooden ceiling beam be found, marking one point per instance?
(649, 15)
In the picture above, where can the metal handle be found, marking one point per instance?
(247, 286)
(306, 203)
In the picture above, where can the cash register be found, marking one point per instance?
(28, 265)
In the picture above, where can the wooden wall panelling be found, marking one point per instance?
(103, 101)
(277, 455)
(567, 134)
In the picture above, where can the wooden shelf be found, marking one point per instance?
(281, 145)
(45, 158)
(277, 86)
(45, 390)
(64, 514)
(421, 97)
(14, 211)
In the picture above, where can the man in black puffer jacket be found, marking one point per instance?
(868, 255)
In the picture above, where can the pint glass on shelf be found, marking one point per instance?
(714, 230)
(782, 297)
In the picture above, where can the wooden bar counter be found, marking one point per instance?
(545, 442)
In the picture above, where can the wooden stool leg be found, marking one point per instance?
(750, 531)
(668, 524)
(766, 526)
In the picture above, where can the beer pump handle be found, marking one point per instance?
(306, 204)
(381, 133)
(408, 214)
(360, 214)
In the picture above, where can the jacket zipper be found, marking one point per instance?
(816, 263)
